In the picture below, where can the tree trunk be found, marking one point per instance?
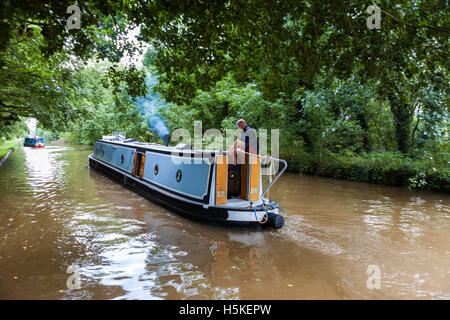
(365, 126)
(402, 119)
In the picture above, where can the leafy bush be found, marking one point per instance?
(382, 168)
(6, 145)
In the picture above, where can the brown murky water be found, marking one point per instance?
(56, 213)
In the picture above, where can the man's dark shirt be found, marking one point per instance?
(250, 139)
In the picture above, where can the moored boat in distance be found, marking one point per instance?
(35, 142)
(195, 183)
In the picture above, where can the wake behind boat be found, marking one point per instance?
(196, 183)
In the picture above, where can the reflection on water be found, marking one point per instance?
(56, 213)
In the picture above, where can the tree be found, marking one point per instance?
(284, 45)
(108, 108)
(40, 56)
(32, 86)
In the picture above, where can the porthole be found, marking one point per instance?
(179, 175)
(122, 159)
(156, 170)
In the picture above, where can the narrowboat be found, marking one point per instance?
(35, 142)
(195, 183)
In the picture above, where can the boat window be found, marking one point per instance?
(156, 170)
(103, 153)
(179, 175)
(121, 159)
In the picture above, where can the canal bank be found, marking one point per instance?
(386, 168)
(5, 157)
(6, 148)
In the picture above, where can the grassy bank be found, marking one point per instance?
(7, 145)
(381, 168)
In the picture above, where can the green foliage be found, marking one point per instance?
(385, 168)
(110, 108)
(350, 102)
(341, 130)
(6, 145)
(47, 135)
(344, 135)
(33, 86)
(40, 58)
(103, 27)
(342, 115)
(15, 130)
(283, 46)
(223, 105)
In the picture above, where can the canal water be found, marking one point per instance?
(68, 232)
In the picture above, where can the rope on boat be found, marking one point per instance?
(275, 205)
(265, 218)
(266, 210)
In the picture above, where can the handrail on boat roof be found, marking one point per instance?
(277, 176)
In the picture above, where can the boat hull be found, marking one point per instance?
(34, 146)
(199, 211)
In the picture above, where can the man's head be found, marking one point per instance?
(241, 124)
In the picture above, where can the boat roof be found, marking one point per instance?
(180, 148)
